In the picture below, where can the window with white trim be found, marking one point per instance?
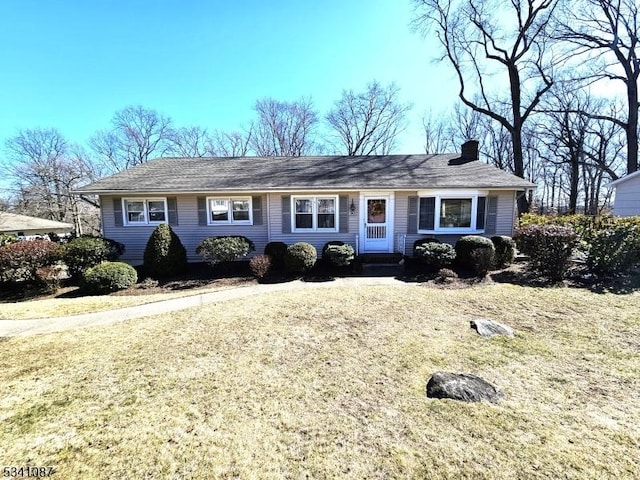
(314, 214)
(451, 213)
(229, 210)
(144, 211)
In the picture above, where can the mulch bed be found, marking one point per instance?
(202, 275)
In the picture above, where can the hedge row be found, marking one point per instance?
(471, 252)
(610, 245)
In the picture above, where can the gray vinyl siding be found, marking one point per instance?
(504, 220)
(317, 239)
(627, 199)
(190, 232)
(506, 212)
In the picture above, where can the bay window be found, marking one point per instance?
(451, 212)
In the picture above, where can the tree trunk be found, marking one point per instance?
(574, 178)
(632, 127)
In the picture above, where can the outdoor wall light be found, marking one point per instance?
(352, 207)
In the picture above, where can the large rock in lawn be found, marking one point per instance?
(461, 386)
(489, 328)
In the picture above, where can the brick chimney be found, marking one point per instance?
(469, 151)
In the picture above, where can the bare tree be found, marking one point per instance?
(188, 142)
(563, 132)
(45, 168)
(604, 35)
(495, 45)
(283, 128)
(137, 135)
(369, 122)
(437, 134)
(230, 144)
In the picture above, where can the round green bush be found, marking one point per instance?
(476, 253)
(300, 257)
(224, 249)
(84, 252)
(164, 254)
(423, 241)
(505, 250)
(277, 251)
(338, 254)
(435, 255)
(108, 277)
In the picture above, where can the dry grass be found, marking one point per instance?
(61, 307)
(332, 385)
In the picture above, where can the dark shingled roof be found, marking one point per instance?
(393, 172)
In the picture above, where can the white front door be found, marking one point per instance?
(377, 223)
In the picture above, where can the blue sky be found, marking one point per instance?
(71, 64)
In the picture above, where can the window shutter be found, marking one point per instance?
(426, 220)
(492, 215)
(413, 215)
(172, 209)
(117, 211)
(344, 213)
(256, 203)
(202, 211)
(481, 213)
(286, 214)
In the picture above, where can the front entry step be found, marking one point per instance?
(381, 270)
(380, 258)
(381, 264)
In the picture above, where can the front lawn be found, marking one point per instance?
(73, 302)
(332, 385)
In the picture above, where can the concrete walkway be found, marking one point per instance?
(18, 328)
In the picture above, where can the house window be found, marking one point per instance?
(315, 213)
(451, 213)
(455, 212)
(233, 210)
(144, 211)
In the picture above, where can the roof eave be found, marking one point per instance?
(625, 178)
(521, 187)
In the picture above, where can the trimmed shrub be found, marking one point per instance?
(423, 241)
(435, 255)
(108, 277)
(614, 250)
(475, 253)
(116, 249)
(20, 261)
(338, 254)
(85, 252)
(300, 257)
(277, 251)
(446, 275)
(224, 249)
(6, 239)
(505, 249)
(164, 254)
(549, 248)
(260, 266)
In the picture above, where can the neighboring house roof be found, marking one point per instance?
(625, 178)
(306, 173)
(13, 223)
